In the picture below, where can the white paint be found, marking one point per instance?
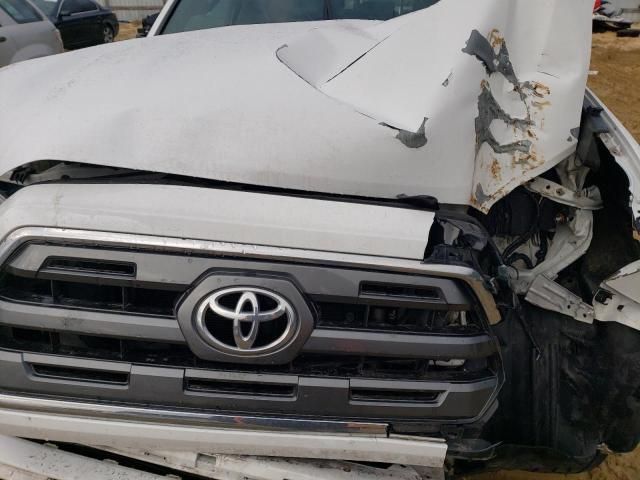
(219, 104)
(223, 216)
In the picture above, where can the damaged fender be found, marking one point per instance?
(498, 92)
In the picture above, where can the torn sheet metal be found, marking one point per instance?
(221, 104)
(517, 68)
(618, 299)
(552, 296)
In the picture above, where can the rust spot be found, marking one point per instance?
(496, 170)
(545, 103)
(539, 89)
(531, 134)
(495, 38)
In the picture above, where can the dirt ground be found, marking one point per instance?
(128, 30)
(617, 82)
(615, 79)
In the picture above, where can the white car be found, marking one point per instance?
(25, 33)
(404, 241)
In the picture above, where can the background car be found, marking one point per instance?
(25, 33)
(82, 23)
(147, 24)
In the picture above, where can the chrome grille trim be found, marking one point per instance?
(185, 417)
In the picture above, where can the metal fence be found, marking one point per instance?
(629, 8)
(131, 10)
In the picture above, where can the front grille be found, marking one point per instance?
(89, 322)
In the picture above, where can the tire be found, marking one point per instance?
(108, 35)
(629, 32)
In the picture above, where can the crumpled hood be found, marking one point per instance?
(462, 101)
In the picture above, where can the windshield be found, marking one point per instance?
(198, 14)
(48, 7)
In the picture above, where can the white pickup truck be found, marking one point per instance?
(405, 241)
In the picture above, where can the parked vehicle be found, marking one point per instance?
(82, 23)
(147, 23)
(186, 15)
(607, 17)
(402, 241)
(25, 33)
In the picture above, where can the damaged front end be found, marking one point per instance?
(461, 217)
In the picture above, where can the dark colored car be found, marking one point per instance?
(82, 23)
(147, 23)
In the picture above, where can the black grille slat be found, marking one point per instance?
(239, 388)
(90, 267)
(396, 319)
(369, 395)
(80, 374)
(89, 296)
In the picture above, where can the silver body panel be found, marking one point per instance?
(19, 42)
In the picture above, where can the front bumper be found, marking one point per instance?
(155, 429)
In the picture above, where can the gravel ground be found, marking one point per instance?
(616, 80)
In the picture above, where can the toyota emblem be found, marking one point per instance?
(246, 321)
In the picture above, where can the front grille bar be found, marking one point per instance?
(329, 341)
